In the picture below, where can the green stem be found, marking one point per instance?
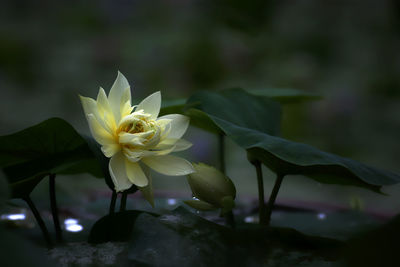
(272, 198)
(261, 203)
(230, 219)
(39, 221)
(113, 202)
(221, 152)
(54, 208)
(122, 206)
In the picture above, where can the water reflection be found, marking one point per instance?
(72, 225)
(70, 221)
(321, 216)
(171, 201)
(74, 228)
(250, 219)
(14, 217)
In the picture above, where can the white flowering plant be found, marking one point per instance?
(132, 141)
(131, 136)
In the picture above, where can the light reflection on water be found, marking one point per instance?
(171, 201)
(70, 221)
(72, 225)
(250, 219)
(254, 219)
(321, 216)
(74, 228)
(13, 217)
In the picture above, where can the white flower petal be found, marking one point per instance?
(133, 156)
(182, 145)
(102, 101)
(165, 151)
(118, 172)
(110, 150)
(118, 95)
(163, 122)
(137, 155)
(126, 109)
(101, 135)
(124, 136)
(160, 152)
(151, 105)
(105, 111)
(134, 117)
(108, 123)
(147, 191)
(165, 127)
(131, 139)
(103, 104)
(136, 174)
(169, 165)
(89, 106)
(179, 144)
(126, 98)
(179, 125)
(154, 140)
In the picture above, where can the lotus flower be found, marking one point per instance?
(133, 135)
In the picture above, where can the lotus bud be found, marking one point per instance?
(212, 189)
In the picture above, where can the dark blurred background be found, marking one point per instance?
(346, 51)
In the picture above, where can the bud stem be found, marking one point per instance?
(221, 152)
(113, 202)
(272, 198)
(122, 206)
(39, 221)
(261, 203)
(229, 217)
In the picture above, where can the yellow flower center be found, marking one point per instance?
(137, 130)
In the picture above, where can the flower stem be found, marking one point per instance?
(221, 152)
(272, 198)
(54, 208)
(261, 203)
(39, 221)
(113, 202)
(122, 206)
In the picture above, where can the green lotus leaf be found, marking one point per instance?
(52, 146)
(254, 126)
